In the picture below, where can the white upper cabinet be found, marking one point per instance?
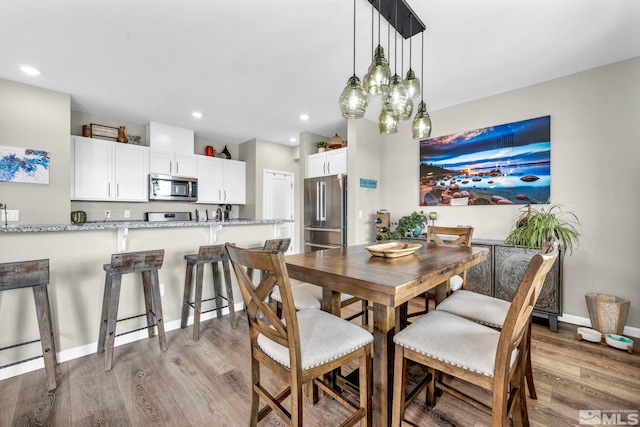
(171, 150)
(330, 162)
(221, 180)
(105, 170)
(170, 163)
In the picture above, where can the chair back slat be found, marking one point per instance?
(283, 331)
(281, 245)
(462, 235)
(211, 253)
(14, 275)
(134, 262)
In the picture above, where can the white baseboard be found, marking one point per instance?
(84, 350)
(629, 331)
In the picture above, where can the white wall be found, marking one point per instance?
(594, 154)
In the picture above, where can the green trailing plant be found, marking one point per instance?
(407, 224)
(533, 226)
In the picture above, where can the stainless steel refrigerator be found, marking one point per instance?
(325, 212)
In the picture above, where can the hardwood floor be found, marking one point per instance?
(207, 384)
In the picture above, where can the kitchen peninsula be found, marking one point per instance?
(77, 254)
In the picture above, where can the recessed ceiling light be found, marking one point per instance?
(197, 114)
(292, 139)
(304, 117)
(27, 69)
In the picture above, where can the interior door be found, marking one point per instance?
(278, 202)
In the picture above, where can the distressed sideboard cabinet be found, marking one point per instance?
(500, 273)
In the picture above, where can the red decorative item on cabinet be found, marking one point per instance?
(209, 151)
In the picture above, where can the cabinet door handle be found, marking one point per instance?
(177, 168)
(118, 190)
(170, 168)
(109, 188)
(328, 168)
(225, 195)
(324, 168)
(219, 194)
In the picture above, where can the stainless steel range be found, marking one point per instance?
(167, 216)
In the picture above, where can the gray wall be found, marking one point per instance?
(31, 117)
(594, 156)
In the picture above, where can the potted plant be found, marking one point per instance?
(533, 226)
(409, 225)
(321, 146)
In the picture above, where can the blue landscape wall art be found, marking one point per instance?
(24, 165)
(498, 165)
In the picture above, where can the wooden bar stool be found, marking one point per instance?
(213, 255)
(34, 275)
(147, 263)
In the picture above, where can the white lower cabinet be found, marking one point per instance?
(221, 181)
(105, 170)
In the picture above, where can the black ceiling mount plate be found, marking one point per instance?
(408, 22)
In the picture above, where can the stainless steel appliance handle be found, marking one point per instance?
(323, 207)
(316, 245)
(335, 230)
(317, 201)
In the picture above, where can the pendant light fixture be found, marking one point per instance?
(421, 127)
(354, 99)
(411, 81)
(387, 123)
(408, 109)
(376, 81)
(395, 101)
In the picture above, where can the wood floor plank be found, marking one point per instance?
(36, 406)
(9, 398)
(95, 395)
(143, 389)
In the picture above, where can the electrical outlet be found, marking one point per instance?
(161, 289)
(11, 215)
(127, 214)
(107, 214)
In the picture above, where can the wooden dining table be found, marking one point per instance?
(388, 283)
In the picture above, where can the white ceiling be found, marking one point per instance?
(253, 66)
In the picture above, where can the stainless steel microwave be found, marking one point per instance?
(168, 187)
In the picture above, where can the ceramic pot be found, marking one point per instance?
(209, 151)
(121, 136)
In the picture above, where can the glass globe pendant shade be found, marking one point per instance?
(376, 81)
(354, 100)
(408, 110)
(387, 123)
(395, 101)
(412, 83)
(421, 127)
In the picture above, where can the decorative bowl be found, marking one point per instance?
(618, 341)
(589, 334)
(393, 249)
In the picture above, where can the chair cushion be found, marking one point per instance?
(455, 283)
(453, 340)
(323, 337)
(305, 295)
(477, 307)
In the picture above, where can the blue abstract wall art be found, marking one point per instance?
(24, 165)
(498, 165)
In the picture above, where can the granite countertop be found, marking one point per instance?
(114, 225)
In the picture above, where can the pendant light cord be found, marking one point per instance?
(354, 37)
(422, 70)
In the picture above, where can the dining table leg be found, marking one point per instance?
(384, 323)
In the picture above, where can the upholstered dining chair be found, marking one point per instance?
(301, 347)
(459, 236)
(464, 349)
(488, 311)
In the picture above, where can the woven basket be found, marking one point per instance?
(608, 313)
